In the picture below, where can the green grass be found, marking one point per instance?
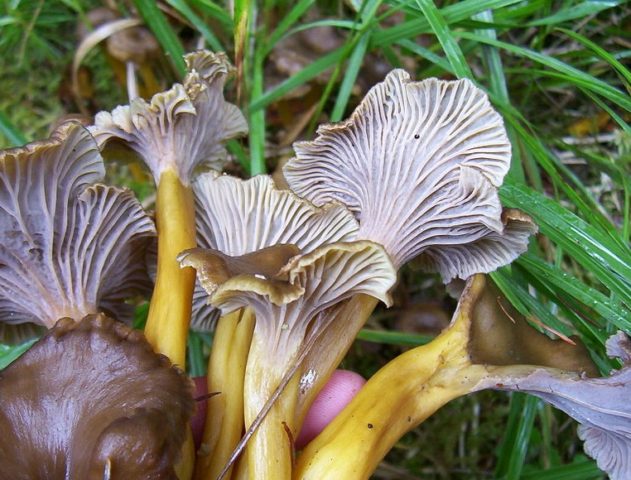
(546, 66)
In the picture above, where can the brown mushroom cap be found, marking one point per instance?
(500, 335)
(89, 399)
(136, 44)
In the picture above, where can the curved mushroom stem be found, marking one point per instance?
(396, 399)
(333, 344)
(226, 371)
(171, 302)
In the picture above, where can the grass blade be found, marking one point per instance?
(12, 134)
(447, 41)
(514, 446)
(188, 13)
(286, 23)
(9, 353)
(564, 70)
(601, 52)
(586, 244)
(164, 33)
(565, 284)
(393, 338)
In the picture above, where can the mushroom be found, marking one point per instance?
(177, 132)
(92, 400)
(68, 247)
(600, 405)
(237, 218)
(134, 47)
(414, 385)
(288, 307)
(419, 164)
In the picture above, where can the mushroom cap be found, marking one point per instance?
(238, 217)
(600, 405)
(287, 304)
(92, 398)
(500, 335)
(183, 128)
(136, 44)
(67, 247)
(419, 164)
(214, 269)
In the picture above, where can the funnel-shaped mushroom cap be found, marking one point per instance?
(67, 248)
(601, 405)
(287, 303)
(182, 128)
(238, 217)
(419, 163)
(91, 400)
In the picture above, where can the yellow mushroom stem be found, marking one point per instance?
(396, 399)
(269, 451)
(333, 345)
(184, 467)
(226, 370)
(171, 302)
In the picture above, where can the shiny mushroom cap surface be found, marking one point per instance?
(91, 400)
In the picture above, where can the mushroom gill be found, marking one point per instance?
(183, 128)
(238, 217)
(288, 308)
(91, 400)
(419, 163)
(68, 247)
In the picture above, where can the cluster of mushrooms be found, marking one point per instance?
(286, 277)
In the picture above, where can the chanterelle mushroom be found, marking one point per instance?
(238, 217)
(419, 164)
(68, 247)
(91, 400)
(600, 405)
(246, 223)
(177, 132)
(183, 128)
(288, 307)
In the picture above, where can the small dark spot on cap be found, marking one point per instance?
(409, 419)
(370, 425)
(417, 136)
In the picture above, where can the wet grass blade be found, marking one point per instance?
(443, 33)
(586, 244)
(564, 284)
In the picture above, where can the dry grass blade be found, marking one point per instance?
(89, 42)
